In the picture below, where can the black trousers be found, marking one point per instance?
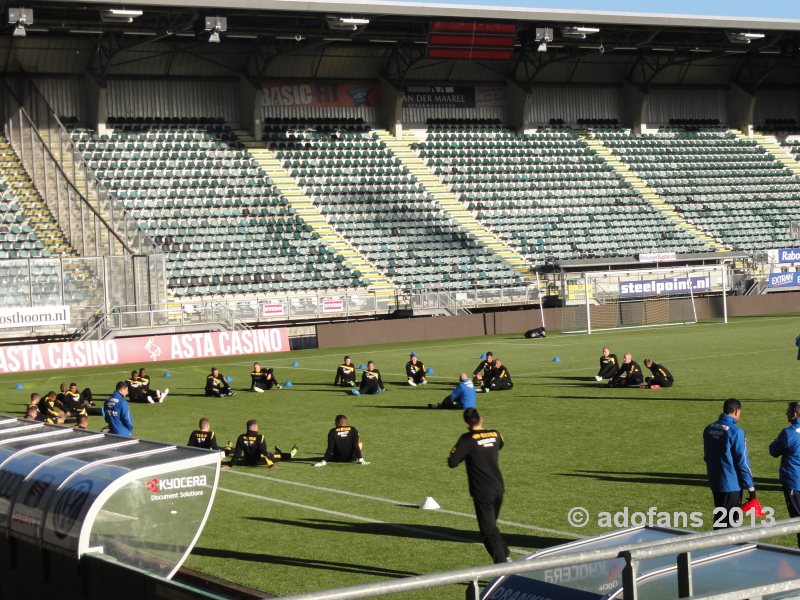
(222, 390)
(487, 509)
(500, 384)
(792, 498)
(607, 372)
(626, 381)
(266, 384)
(726, 501)
(658, 380)
(448, 402)
(418, 377)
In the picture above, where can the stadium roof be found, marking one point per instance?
(317, 39)
(435, 10)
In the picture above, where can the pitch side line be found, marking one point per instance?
(417, 530)
(320, 488)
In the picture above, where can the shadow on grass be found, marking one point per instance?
(396, 407)
(767, 484)
(416, 531)
(308, 563)
(651, 396)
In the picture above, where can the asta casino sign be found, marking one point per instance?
(172, 488)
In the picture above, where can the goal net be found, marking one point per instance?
(599, 301)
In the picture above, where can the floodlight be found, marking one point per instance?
(578, 32)
(20, 17)
(354, 20)
(119, 15)
(743, 37)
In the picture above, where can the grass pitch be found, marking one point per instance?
(569, 442)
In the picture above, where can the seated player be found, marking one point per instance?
(484, 369)
(73, 402)
(345, 374)
(608, 365)
(216, 384)
(499, 378)
(251, 449)
(371, 382)
(661, 375)
(203, 437)
(344, 445)
(158, 395)
(415, 370)
(82, 422)
(262, 379)
(50, 411)
(629, 373)
(462, 397)
(537, 332)
(32, 412)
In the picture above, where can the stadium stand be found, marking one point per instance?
(201, 196)
(371, 198)
(722, 182)
(547, 193)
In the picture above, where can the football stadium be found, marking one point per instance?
(449, 301)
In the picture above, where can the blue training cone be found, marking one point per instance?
(483, 357)
(556, 359)
(288, 384)
(228, 378)
(19, 386)
(295, 364)
(362, 366)
(429, 371)
(167, 374)
(355, 392)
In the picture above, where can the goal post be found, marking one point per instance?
(607, 300)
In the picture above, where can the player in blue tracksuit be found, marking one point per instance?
(118, 412)
(462, 397)
(727, 463)
(787, 446)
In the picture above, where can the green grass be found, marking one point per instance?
(569, 442)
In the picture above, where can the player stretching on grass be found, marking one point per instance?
(480, 449)
(608, 365)
(344, 445)
(661, 378)
(371, 382)
(415, 371)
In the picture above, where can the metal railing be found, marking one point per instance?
(633, 554)
(95, 222)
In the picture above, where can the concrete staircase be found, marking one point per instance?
(656, 200)
(33, 205)
(304, 207)
(401, 148)
(771, 145)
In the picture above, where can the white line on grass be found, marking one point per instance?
(418, 530)
(397, 502)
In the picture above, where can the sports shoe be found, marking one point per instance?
(598, 378)
(361, 461)
(352, 383)
(321, 463)
(150, 400)
(294, 450)
(412, 382)
(655, 386)
(258, 389)
(231, 393)
(163, 396)
(278, 386)
(424, 382)
(355, 392)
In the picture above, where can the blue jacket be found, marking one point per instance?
(725, 453)
(118, 415)
(787, 446)
(465, 392)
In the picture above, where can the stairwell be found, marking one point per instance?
(305, 209)
(771, 145)
(33, 205)
(401, 148)
(656, 200)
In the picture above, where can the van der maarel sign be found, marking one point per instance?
(120, 351)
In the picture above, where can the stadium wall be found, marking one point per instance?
(174, 98)
(687, 103)
(777, 104)
(65, 95)
(515, 322)
(571, 103)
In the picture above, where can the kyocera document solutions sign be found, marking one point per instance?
(68, 355)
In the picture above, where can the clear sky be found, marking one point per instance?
(769, 9)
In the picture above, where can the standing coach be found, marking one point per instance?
(727, 463)
(480, 449)
(787, 447)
